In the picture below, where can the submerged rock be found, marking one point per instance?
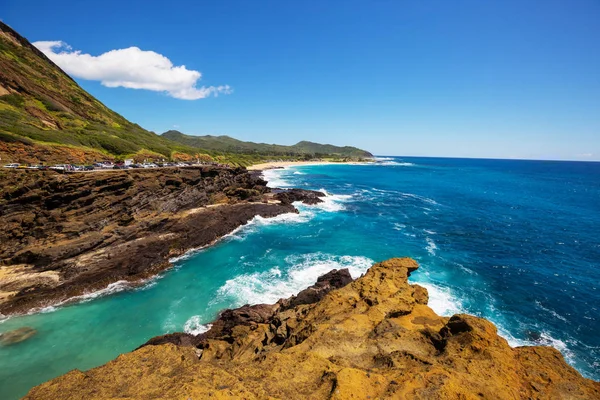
(16, 336)
(370, 338)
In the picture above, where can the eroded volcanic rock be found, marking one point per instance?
(372, 338)
(66, 234)
(248, 315)
(309, 197)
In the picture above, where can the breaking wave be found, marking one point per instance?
(300, 272)
(193, 326)
(274, 178)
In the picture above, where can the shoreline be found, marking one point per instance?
(90, 246)
(135, 282)
(285, 164)
(308, 334)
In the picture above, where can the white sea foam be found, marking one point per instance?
(390, 161)
(112, 288)
(383, 158)
(416, 196)
(333, 202)
(431, 246)
(298, 173)
(444, 303)
(287, 218)
(274, 284)
(441, 300)
(274, 178)
(194, 327)
(550, 311)
(397, 226)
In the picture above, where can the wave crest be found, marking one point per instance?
(193, 326)
(274, 284)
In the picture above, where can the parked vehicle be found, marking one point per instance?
(13, 165)
(59, 167)
(88, 168)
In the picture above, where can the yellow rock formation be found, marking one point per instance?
(374, 338)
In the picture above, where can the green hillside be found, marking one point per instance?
(45, 116)
(40, 104)
(229, 144)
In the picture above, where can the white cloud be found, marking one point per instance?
(131, 68)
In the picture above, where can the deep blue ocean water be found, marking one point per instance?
(516, 242)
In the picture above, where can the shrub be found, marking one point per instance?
(14, 99)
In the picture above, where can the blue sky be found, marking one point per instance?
(501, 79)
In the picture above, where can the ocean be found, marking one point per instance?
(516, 242)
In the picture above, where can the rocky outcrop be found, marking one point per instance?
(67, 234)
(290, 196)
(372, 338)
(223, 327)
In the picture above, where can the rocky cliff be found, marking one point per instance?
(371, 338)
(67, 234)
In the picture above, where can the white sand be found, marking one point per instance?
(281, 164)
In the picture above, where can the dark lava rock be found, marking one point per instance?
(309, 197)
(334, 279)
(88, 227)
(248, 315)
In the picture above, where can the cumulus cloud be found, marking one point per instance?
(131, 68)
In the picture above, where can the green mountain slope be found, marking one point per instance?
(40, 104)
(229, 144)
(45, 116)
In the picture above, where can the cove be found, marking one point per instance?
(513, 241)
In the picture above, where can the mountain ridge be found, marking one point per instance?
(228, 143)
(45, 116)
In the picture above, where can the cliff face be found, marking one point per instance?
(66, 234)
(372, 338)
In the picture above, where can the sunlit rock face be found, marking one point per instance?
(370, 338)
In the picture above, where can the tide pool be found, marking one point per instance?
(513, 241)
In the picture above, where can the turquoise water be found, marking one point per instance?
(513, 241)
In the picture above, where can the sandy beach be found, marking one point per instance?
(282, 164)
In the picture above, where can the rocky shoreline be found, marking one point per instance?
(374, 337)
(66, 235)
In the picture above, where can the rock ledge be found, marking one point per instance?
(371, 338)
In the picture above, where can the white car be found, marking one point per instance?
(14, 165)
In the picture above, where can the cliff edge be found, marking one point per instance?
(370, 338)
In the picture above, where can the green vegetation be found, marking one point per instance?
(42, 106)
(229, 144)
